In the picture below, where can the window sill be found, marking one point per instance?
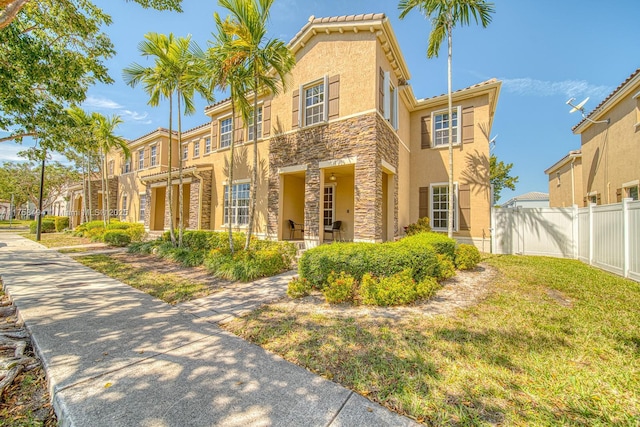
(444, 146)
(315, 125)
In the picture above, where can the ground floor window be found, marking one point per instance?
(631, 192)
(440, 207)
(329, 206)
(123, 210)
(143, 206)
(239, 204)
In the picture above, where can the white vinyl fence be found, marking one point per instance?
(604, 236)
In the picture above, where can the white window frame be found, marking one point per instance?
(332, 209)
(241, 186)
(446, 208)
(196, 149)
(390, 101)
(592, 198)
(140, 158)
(127, 165)
(225, 137)
(143, 206)
(250, 124)
(207, 145)
(323, 104)
(123, 209)
(185, 151)
(153, 156)
(457, 129)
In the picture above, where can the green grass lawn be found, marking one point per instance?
(56, 240)
(168, 287)
(16, 223)
(556, 343)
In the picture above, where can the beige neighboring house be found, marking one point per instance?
(565, 181)
(610, 148)
(346, 142)
(532, 199)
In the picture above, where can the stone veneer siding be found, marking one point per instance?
(366, 137)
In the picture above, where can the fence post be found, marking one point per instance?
(626, 255)
(576, 232)
(590, 233)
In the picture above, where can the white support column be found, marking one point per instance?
(591, 233)
(625, 233)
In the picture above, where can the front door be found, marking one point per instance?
(329, 207)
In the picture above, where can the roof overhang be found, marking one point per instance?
(577, 154)
(164, 175)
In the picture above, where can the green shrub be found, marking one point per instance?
(421, 226)
(298, 287)
(116, 238)
(61, 223)
(136, 231)
(397, 289)
(340, 288)
(220, 240)
(197, 240)
(47, 225)
(184, 256)
(446, 268)
(467, 257)
(427, 287)
(143, 247)
(118, 225)
(440, 242)
(270, 259)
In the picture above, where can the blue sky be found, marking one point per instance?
(544, 51)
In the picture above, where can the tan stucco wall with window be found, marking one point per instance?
(561, 187)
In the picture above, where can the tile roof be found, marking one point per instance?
(615, 91)
(160, 129)
(197, 127)
(477, 85)
(337, 19)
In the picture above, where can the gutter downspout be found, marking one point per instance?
(200, 193)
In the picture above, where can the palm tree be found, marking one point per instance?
(228, 70)
(83, 141)
(444, 16)
(267, 60)
(178, 70)
(104, 129)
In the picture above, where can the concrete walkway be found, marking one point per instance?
(116, 356)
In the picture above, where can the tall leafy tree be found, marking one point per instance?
(227, 71)
(500, 177)
(267, 60)
(104, 130)
(444, 16)
(178, 72)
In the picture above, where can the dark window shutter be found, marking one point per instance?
(599, 199)
(266, 118)
(381, 92)
(586, 201)
(239, 130)
(464, 202)
(334, 95)
(295, 109)
(423, 202)
(467, 125)
(619, 195)
(214, 135)
(425, 122)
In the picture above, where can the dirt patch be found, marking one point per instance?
(464, 290)
(560, 298)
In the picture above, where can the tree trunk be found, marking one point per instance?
(254, 175)
(105, 203)
(450, 215)
(9, 13)
(231, 161)
(84, 192)
(90, 199)
(172, 232)
(180, 193)
(106, 188)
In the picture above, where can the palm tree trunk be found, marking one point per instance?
(230, 185)
(254, 175)
(103, 175)
(450, 96)
(83, 214)
(106, 189)
(180, 193)
(172, 232)
(89, 167)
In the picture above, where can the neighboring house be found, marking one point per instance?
(610, 147)
(565, 181)
(533, 199)
(346, 141)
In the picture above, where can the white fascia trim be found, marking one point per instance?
(631, 183)
(388, 166)
(237, 181)
(636, 96)
(291, 169)
(338, 162)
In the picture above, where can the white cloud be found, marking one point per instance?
(96, 102)
(567, 88)
(135, 116)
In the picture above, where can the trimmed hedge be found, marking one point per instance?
(417, 253)
(47, 225)
(96, 231)
(467, 257)
(62, 223)
(116, 238)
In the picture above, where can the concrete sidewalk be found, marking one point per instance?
(115, 356)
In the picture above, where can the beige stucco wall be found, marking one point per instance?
(610, 153)
(564, 180)
(470, 164)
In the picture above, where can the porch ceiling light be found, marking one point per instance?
(332, 177)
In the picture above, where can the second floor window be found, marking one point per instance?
(314, 104)
(250, 125)
(143, 206)
(207, 145)
(225, 132)
(185, 152)
(141, 159)
(127, 166)
(154, 155)
(111, 166)
(196, 149)
(441, 128)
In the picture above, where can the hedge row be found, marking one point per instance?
(116, 233)
(50, 224)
